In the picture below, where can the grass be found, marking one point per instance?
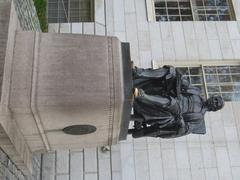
(41, 6)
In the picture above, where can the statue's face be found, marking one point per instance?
(215, 103)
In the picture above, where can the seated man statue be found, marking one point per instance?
(167, 106)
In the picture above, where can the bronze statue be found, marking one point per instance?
(167, 106)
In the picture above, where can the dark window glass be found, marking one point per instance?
(212, 88)
(195, 70)
(210, 70)
(160, 4)
(187, 18)
(236, 88)
(235, 69)
(221, 80)
(215, 10)
(236, 97)
(172, 4)
(227, 96)
(184, 4)
(70, 11)
(236, 78)
(162, 18)
(224, 17)
(227, 88)
(175, 11)
(174, 18)
(212, 17)
(186, 11)
(199, 2)
(200, 11)
(202, 18)
(161, 11)
(223, 70)
(211, 78)
(224, 78)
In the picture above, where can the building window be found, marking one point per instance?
(214, 10)
(221, 80)
(189, 10)
(65, 11)
(173, 11)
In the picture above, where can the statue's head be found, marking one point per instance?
(214, 103)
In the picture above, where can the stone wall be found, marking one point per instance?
(27, 15)
(9, 23)
(9, 171)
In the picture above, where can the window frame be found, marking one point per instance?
(202, 65)
(68, 13)
(151, 15)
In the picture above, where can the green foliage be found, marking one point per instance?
(41, 6)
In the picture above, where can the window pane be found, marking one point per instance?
(221, 2)
(227, 96)
(216, 10)
(211, 11)
(172, 4)
(209, 3)
(223, 70)
(198, 3)
(161, 11)
(173, 11)
(224, 17)
(53, 14)
(227, 88)
(210, 70)
(212, 94)
(224, 78)
(161, 18)
(236, 78)
(184, 4)
(211, 78)
(160, 4)
(52, 6)
(236, 97)
(213, 88)
(202, 18)
(218, 79)
(235, 69)
(236, 88)
(201, 11)
(187, 18)
(70, 11)
(212, 18)
(195, 70)
(186, 12)
(174, 18)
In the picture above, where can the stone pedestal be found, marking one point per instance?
(52, 81)
(59, 80)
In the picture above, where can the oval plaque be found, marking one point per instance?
(79, 129)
